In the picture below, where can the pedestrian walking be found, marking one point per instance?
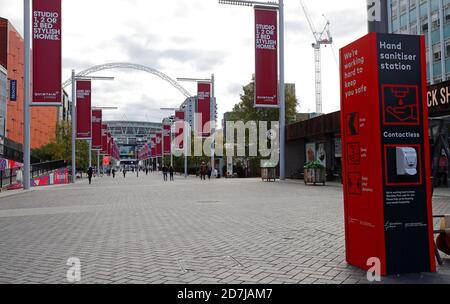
(124, 172)
(171, 172)
(165, 171)
(90, 173)
(146, 171)
(114, 173)
(203, 170)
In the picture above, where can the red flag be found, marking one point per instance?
(266, 63)
(96, 129)
(47, 35)
(84, 115)
(167, 139)
(179, 129)
(104, 149)
(158, 145)
(204, 108)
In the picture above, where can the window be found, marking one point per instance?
(435, 21)
(412, 4)
(447, 13)
(437, 52)
(424, 24)
(394, 9)
(414, 29)
(403, 6)
(447, 48)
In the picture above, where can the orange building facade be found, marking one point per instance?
(43, 119)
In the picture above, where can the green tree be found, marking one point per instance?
(246, 111)
(61, 148)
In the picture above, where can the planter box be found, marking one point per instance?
(269, 174)
(315, 176)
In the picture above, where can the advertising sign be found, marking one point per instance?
(97, 129)
(179, 129)
(158, 145)
(109, 143)
(153, 148)
(386, 161)
(204, 109)
(266, 55)
(104, 149)
(438, 99)
(13, 90)
(84, 115)
(310, 152)
(167, 140)
(46, 20)
(321, 154)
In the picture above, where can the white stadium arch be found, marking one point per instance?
(130, 66)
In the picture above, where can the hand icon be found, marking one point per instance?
(403, 113)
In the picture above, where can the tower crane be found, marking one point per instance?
(321, 38)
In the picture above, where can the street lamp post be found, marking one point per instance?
(27, 95)
(74, 118)
(280, 6)
(213, 113)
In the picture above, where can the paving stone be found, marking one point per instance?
(144, 231)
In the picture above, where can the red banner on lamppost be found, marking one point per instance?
(158, 148)
(109, 143)
(179, 129)
(204, 109)
(97, 129)
(104, 149)
(153, 148)
(47, 35)
(266, 57)
(167, 139)
(84, 115)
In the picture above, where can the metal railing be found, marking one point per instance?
(8, 177)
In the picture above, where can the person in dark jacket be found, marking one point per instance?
(90, 173)
(203, 171)
(171, 171)
(165, 171)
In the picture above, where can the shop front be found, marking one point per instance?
(315, 140)
(439, 113)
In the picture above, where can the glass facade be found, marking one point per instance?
(432, 19)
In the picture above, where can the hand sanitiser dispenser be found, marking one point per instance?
(406, 161)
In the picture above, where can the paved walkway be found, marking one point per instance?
(141, 230)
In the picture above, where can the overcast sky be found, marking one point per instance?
(192, 38)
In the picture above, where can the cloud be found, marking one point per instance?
(143, 51)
